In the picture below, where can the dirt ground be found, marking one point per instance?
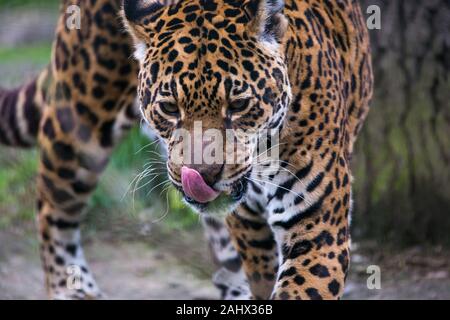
(124, 270)
(178, 267)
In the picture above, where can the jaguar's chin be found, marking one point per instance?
(226, 202)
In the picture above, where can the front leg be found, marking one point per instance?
(74, 151)
(253, 239)
(61, 203)
(313, 238)
(68, 174)
(230, 277)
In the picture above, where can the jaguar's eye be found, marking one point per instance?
(238, 105)
(169, 108)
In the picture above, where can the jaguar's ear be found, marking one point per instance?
(137, 15)
(267, 19)
(141, 16)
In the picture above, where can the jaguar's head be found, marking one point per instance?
(210, 69)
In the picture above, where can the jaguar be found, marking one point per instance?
(300, 68)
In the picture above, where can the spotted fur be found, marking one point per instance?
(302, 67)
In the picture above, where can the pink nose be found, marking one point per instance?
(195, 187)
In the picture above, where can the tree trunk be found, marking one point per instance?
(402, 159)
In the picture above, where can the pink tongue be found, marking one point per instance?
(195, 187)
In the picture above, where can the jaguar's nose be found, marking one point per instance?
(210, 173)
(195, 186)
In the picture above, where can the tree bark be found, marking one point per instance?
(402, 160)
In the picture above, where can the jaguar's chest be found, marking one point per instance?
(269, 192)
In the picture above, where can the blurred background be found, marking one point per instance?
(140, 238)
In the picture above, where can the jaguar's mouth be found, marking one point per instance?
(220, 202)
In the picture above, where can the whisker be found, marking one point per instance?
(267, 151)
(275, 160)
(167, 206)
(165, 189)
(157, 162)
(165, 181)
(292, 174)
(147, 172)
(146, 146)
(146, 184)
(131, 183)
(276, 185)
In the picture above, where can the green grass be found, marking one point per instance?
(130, 158)
(36, 54)
(114, 199)
(111, 201)
(29, 4)
(17, 194)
